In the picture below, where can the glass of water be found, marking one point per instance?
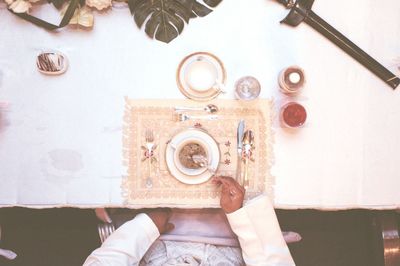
(247, 88)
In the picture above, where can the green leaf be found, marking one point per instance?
(73, 5)
(200, 10)
(212, 3)
(165, 19)
(57, 3)
(49, 26)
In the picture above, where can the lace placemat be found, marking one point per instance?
(166, 190)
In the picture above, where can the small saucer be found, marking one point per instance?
(201, 76)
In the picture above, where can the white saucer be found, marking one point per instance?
(201, 76)
(196, 176)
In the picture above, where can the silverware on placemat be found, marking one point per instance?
(210, 108)
(184, 117)
(248, 146)
(149, 136)
(239, 138)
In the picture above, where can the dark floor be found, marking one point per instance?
(53, 237)
(58, 237)
(344, 238)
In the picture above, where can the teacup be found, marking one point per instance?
(180, 165)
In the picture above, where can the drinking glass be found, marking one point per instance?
(293, 115)
(291, 80)
(247, 88)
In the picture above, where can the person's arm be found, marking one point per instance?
(255, 225)
(259, 234)
(128, 244)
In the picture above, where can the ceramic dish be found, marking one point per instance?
(192, 176)
(52, 63)
(201, 76)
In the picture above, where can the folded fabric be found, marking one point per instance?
(208, 226)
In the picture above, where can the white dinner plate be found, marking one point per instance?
(195, 176)
(201, 76)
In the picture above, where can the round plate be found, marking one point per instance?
(201, 76)
(213, 154)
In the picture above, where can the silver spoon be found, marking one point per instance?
(248, 139)
(209, 108)
(202, 161)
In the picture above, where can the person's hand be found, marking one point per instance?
(232, 194)
(160, 218)
(102, 215)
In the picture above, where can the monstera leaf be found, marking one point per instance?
(165, 19)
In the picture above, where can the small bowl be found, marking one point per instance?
(180, 166)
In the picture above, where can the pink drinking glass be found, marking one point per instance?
(293, 115)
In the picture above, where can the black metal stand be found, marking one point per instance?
(301, 11)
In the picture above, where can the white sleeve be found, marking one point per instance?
(127, 245)
(259, 234)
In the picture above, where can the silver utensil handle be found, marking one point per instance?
(246, 172)
(149, 163)
(205, 117)
(188, 108)
(239, 169)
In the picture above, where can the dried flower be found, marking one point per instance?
(82, 16)
(99, 4)
(19, 6)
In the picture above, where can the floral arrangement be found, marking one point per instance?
(164, 20)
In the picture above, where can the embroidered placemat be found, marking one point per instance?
(160, 117)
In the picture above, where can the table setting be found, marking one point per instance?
(99, 125)
(156, 174)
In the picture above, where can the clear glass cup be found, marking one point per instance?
(247, 88)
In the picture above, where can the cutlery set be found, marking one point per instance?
(150, 147)
(181, 117)
(211, 109)
(245, 147)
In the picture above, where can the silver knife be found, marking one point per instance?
(239, 136)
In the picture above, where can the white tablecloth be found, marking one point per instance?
(60, 137)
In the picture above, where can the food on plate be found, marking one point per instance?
(186, 153)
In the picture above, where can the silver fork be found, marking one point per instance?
(149, 136)
(183, 117)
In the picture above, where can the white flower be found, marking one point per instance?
(19, 6)
(82, 16)
(99, 4)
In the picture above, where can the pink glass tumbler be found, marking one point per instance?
(293, 115)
